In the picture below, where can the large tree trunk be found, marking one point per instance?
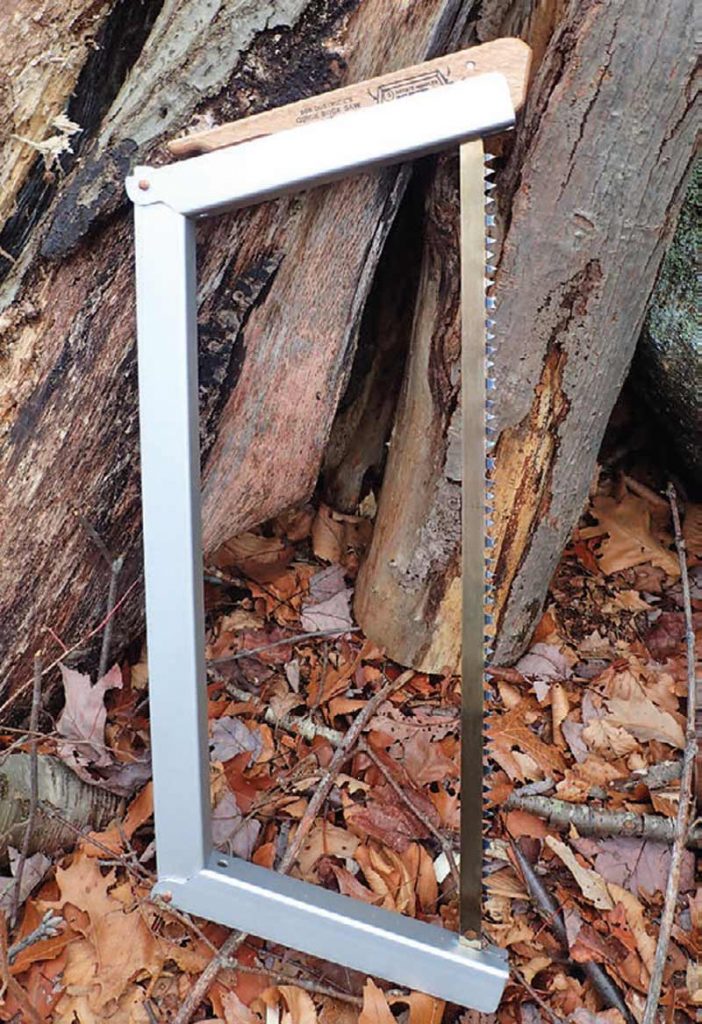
(282, 287)
(587, 201)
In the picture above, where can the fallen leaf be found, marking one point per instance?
(35, 868)
(324, 841)
(236, 1012)
(327, 536)
(230, 736)
(636, 919)
(334, 613)
(644, 720)
(630, 541)
(231, 832)
(592, 885)
(640, 865)
(544, 661)
(375, 1006)
(609, 740)
(258, 557)
(300, 1006)
(82, 721)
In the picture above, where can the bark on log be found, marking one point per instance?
(588, 199)
(282, 290)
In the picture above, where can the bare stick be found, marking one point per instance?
(549, 911)
(233, 941)
(553, 1017)
(416, 811)
(682, 821)
(16, 694)
(33, 787)
(297, 639)
(115, 569)
(590, 822)
(49, 926)
(304, 726)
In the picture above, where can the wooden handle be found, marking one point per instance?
(511, 57)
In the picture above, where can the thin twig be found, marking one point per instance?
(549, 911)
(682, 821)
(9, 984)
(235, 939)
(33, 788)
(49, 926)
(416, 811)
(553, 1017)
(115, 569)
(305, 727)
(297, 639)
(16, 694)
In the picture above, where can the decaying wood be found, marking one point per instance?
(80, 805)
(508, 57)
(282, 291)
(587, 201)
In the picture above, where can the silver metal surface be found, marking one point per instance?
(200, 881)
(325, 924)
(323, 151)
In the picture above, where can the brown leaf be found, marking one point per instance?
(324, 841)
(392, 824)
(424, 1009)
(82, 721)
(300, 1006)
(327, 536)
(375, 1006)
(631, 541)
(644, 720)
(260, 558)
(592, 885)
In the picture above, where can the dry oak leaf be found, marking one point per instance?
(324, 841)
(299, 1006)
(636, 920)
(121, 943)
(82, 721)
(640, 716)
(592, 885)
(631, 541)
(375, 1006)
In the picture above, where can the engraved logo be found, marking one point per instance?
(408, 86)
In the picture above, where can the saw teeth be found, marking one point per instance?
(491, 268)
(489, 221)
(490, 302)
(488, 157)
(489, 240)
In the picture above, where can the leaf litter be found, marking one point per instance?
(594, 704)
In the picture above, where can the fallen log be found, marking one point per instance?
(581, 245)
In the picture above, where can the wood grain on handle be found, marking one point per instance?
(510, 57)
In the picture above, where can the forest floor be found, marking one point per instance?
(592, 717)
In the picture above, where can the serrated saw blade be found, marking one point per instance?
(477, 386)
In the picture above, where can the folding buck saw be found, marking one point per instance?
(451, 101)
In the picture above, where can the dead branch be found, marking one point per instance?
(416, 811)
(49, 926)
(594, 822)
(682, 821)
(235, 939)
(549, 911)
(305, 727)
(115, 569)
(553, 1017)
(33, 787)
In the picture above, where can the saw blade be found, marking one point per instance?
(477, 385)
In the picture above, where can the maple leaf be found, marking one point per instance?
(631, 541)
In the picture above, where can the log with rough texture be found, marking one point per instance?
(587, 199)
(282, 290)
(81, 805)
(667, 370)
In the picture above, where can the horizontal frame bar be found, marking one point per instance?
(323, 923)
(317, 153)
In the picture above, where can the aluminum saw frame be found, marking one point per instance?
(167, 201)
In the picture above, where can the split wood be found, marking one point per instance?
(684, 815)
(591, 822)
(33, 788)
(232, 943)
(550, 912)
